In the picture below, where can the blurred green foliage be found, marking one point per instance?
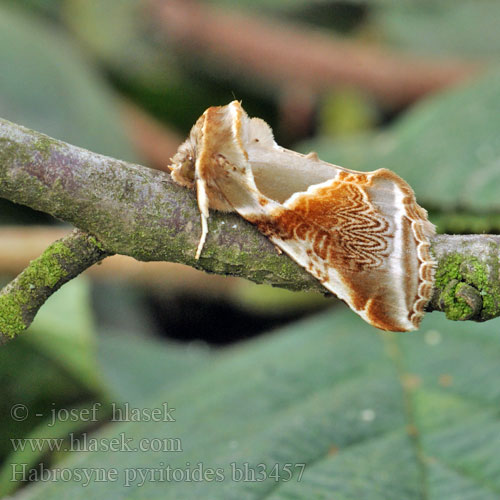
(372, 415)
(467, 28)
(140, 65)
(48, 85)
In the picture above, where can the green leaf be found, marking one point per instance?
(63, 329)
(371, 415)
(52, 365)
(446, 148)
(143, 65)
(46, 84)
(467, 28)
(136, 368)
(21, 452)
(49, 8)
(124, 45)
(38, 382)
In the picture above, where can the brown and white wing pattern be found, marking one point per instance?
(365, 239)
(362, 234)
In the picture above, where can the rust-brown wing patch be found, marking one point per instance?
(365, 253)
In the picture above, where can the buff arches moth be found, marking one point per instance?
(362, 234)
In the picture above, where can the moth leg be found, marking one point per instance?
(201, 193)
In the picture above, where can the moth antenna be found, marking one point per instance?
(201, 192)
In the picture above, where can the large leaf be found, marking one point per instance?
(446, 148)
(46, 84)
(136, 368)
(52, 365)
(125, 45)
(64, 330)
(371, 415)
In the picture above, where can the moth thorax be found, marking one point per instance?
(183, 166)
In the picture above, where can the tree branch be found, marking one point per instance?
(66, 258)
(136, 211)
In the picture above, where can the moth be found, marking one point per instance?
(362, 234)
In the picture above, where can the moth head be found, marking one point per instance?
(223, 132)
(182, 164)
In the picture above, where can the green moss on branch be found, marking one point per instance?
(467, 282)
(61, 261)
